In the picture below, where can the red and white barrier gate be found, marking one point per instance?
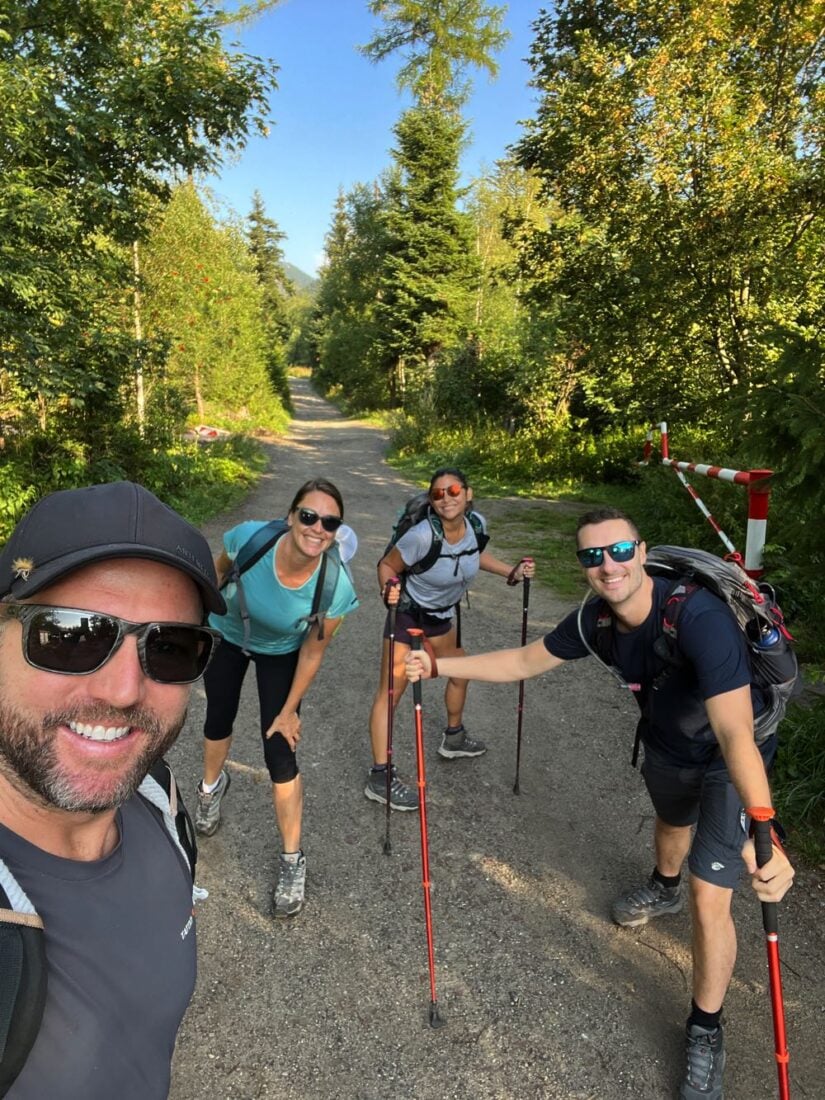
(759, 492)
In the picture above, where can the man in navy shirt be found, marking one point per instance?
(702, 765)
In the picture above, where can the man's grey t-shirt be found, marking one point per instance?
(446, 582)
(120, 949)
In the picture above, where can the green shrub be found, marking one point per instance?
(799, 778)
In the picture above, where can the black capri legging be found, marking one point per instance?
(223, 681)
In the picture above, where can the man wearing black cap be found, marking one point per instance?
(103, 593)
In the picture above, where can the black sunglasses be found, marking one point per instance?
(453, 490)
(73, 642)
(309, 518)
(618, 551)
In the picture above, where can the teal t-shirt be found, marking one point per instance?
(275, 612)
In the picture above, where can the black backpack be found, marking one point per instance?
(23, 966)
(254, 549)
(774, 667)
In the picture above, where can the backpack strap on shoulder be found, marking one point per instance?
(250, 554)
(326, 580)
(23, 977)
(160, 790)
(665, 647)
(434, 551)
(482, 538)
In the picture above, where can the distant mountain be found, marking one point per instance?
(300, 278)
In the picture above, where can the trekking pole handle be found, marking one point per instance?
(385, 592)
(763, 843)
(511, 576)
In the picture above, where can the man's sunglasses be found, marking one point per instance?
(73, 642)
(309, 518)
(453, 490)
(618, 551)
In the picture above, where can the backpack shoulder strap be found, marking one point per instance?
(482, 538)
(434, 552)
(255, 547)
(249, 554)
(327, 581)
(665, 646)
(23, 977)
(160, 790)
(605, 632)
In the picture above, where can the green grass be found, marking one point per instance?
(215, 479)
(547, 537)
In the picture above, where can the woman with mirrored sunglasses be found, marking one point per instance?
(428, 601)
(287, 652)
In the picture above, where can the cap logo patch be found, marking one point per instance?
(22, 567)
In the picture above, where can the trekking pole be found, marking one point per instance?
(525, 604)
(764, 850)
(435, 1019)
(390, 723)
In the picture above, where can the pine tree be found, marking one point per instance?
(430, 269)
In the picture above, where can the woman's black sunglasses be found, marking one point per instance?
(74, 642)
(618, 551)
(309, 518)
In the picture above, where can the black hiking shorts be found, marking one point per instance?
(706, 798)
(432, 625)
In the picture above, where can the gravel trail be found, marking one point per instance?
(542, 996)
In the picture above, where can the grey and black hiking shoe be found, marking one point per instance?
(288, 899)
(208, 813)
(402, 797)
(705, 1064)
(649, 901)
(460, 743)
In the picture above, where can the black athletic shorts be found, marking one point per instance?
(432, 625)
(706, 798)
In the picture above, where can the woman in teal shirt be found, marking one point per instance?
(287, 653)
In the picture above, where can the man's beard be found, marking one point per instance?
(29, 759)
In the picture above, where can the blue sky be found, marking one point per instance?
(333, 115)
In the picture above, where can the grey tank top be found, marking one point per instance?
(120, 946)
(446, 582)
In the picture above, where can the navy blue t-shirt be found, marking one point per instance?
(716, 657)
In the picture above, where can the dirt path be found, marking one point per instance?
(543, 996)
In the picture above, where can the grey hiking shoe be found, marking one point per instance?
(402, 797)
(208, 813)
(288, 899)
(649, 901)
(460, 743)
(705, 1064)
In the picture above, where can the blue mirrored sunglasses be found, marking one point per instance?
(593, 556)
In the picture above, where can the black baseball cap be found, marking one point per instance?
(75, 527)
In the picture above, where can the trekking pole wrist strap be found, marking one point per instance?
(764, 815)
(512, 581)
